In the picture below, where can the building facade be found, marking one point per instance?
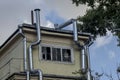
(57, 56)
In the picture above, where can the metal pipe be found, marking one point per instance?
(28, 75)
(75, 31)
(71, 21)
(24, 52)
(83, 60)
(88, 58)
(37, 11)
(25, 48)
(65, 24)
(40, 77)
(32, 17)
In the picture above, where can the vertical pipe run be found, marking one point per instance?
(88, 57)
(25, 55)
(32, 17)
(40, 77)
(75, 32)
(24, 49)
(83, 61)
(30, 58)
(37, 11)
(28, 75)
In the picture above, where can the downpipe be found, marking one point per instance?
(89, 75)
(40, 77)
(25, 66)
(88, 58)
(28, 75)
(83, 61)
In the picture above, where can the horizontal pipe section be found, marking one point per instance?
(65, 24)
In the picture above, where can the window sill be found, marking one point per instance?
(57, 62)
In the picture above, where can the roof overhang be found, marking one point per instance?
(46, 30)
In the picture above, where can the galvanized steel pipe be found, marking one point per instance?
(40, 77)
(71, 21)
(28, 75)
(83, 61)
(75, 30)
(24, 48)
(37, 12)
(24, 52)
(65, 24)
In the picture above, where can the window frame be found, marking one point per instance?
(60, 47)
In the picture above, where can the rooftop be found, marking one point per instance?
(29, 26)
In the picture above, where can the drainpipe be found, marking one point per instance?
(88, 56)
(83, 61)
(25, 52)
(24, 47)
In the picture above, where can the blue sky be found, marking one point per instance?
(105, 55)
(104, 52)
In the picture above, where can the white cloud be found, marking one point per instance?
(65, 8)
(16, 12)
(102, 41)
(49, 24)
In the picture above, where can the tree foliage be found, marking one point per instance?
(101, 16)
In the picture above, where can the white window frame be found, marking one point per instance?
(57, 46)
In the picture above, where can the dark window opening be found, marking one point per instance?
(66, 55)
(46, 53)
(56, 54)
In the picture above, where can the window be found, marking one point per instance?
(66, 55)
(46, 53)
(56, 54)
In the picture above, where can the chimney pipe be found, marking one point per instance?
(32, 17)
(37, 12)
